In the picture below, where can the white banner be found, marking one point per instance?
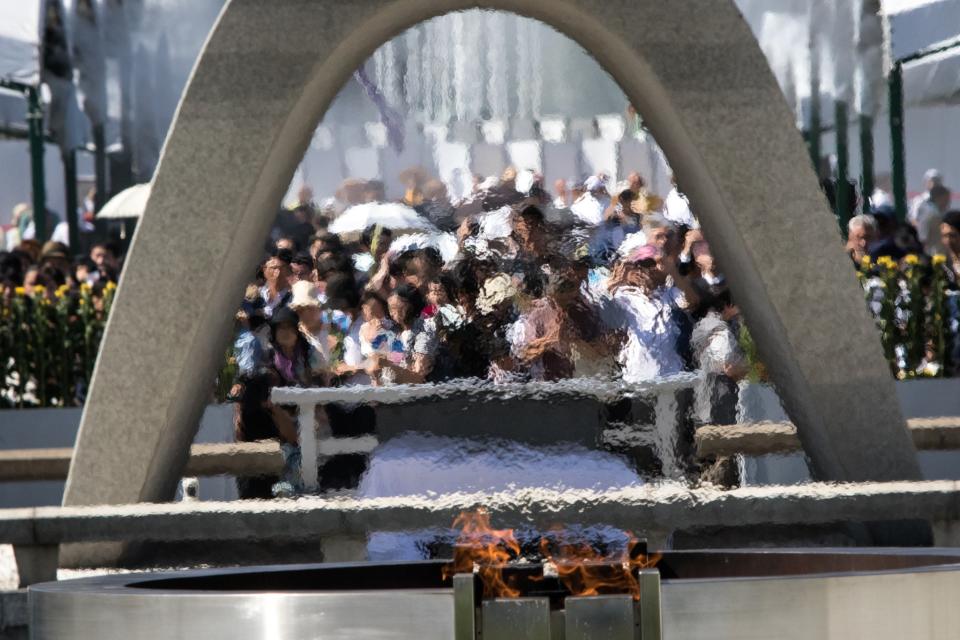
(20, 34)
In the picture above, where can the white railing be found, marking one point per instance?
(317, 444)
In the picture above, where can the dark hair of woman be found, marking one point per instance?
(414, 299)
(369, 296)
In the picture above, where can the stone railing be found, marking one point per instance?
(318, 443)
(651, 511)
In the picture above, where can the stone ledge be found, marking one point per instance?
(649, 507)
(253, 458)
(762, 438)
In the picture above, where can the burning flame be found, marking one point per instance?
(579, 567)
(482, 549)
(585, 572)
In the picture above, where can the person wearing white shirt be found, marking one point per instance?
(649, 303)
(676, 209)
(590, 206)
(931, 179)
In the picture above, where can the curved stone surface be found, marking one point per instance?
(267, 74)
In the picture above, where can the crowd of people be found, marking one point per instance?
(510, 283)
(31, 268)
(596, 280)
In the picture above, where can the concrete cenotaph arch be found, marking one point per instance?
(267, 74)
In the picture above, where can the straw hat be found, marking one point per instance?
(304, 295)
(496, 290)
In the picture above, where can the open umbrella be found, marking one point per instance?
(390, 215)
(129, 203)
(445, 243)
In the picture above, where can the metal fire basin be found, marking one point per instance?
(549, 614)
(823, 593)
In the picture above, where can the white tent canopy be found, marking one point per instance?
(20, 35)
(919, 24)
(933, 79)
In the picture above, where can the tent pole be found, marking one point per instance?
(35, 122)
(866, 156)
(813, 135)
(843, 161)
(100, 167)
(895, 83)
(70, 187)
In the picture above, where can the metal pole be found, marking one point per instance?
(70, 186)
(100, 166)
(898, 166)
(843, 161)
(813, 136)
(866, 158)
(35, 125)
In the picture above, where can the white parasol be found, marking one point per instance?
(445, 243)
(390, 215)
(129, 203)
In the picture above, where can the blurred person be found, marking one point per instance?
(891, 239)
(276, 289)
(589, 207)
(301, 268)
(530, 234)
(861, 233)
(285, 243)
(30, 250)
(326, 245)
(421, 266)
(32, 279)
(256, 418)
(374, 243)
(650, 307)
(561, 196)
(883, 191)
(252, 341)
(377, 335)
(619, 222)
(106, 257)
(926, 218)
(722, 363)
(305, 303)
(662, 234)
(11, 271)
(56, 255)
(294, 360)
(950, 238)
(84, 271)
(411, 359)
(711, 286)
(931, 179)
(676, 207)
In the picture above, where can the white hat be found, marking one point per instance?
(594, 183)
(304, 295)
(933, 175)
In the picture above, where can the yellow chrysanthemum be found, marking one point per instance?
(865, 262)
(939, 260)
(912, 260)
(20, 291)
(86, 288)
(62, 291)
(39, 290)
(110, 286)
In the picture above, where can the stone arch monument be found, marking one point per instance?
(267, 74)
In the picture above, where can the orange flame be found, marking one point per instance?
(485, 549)
(585, 572)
